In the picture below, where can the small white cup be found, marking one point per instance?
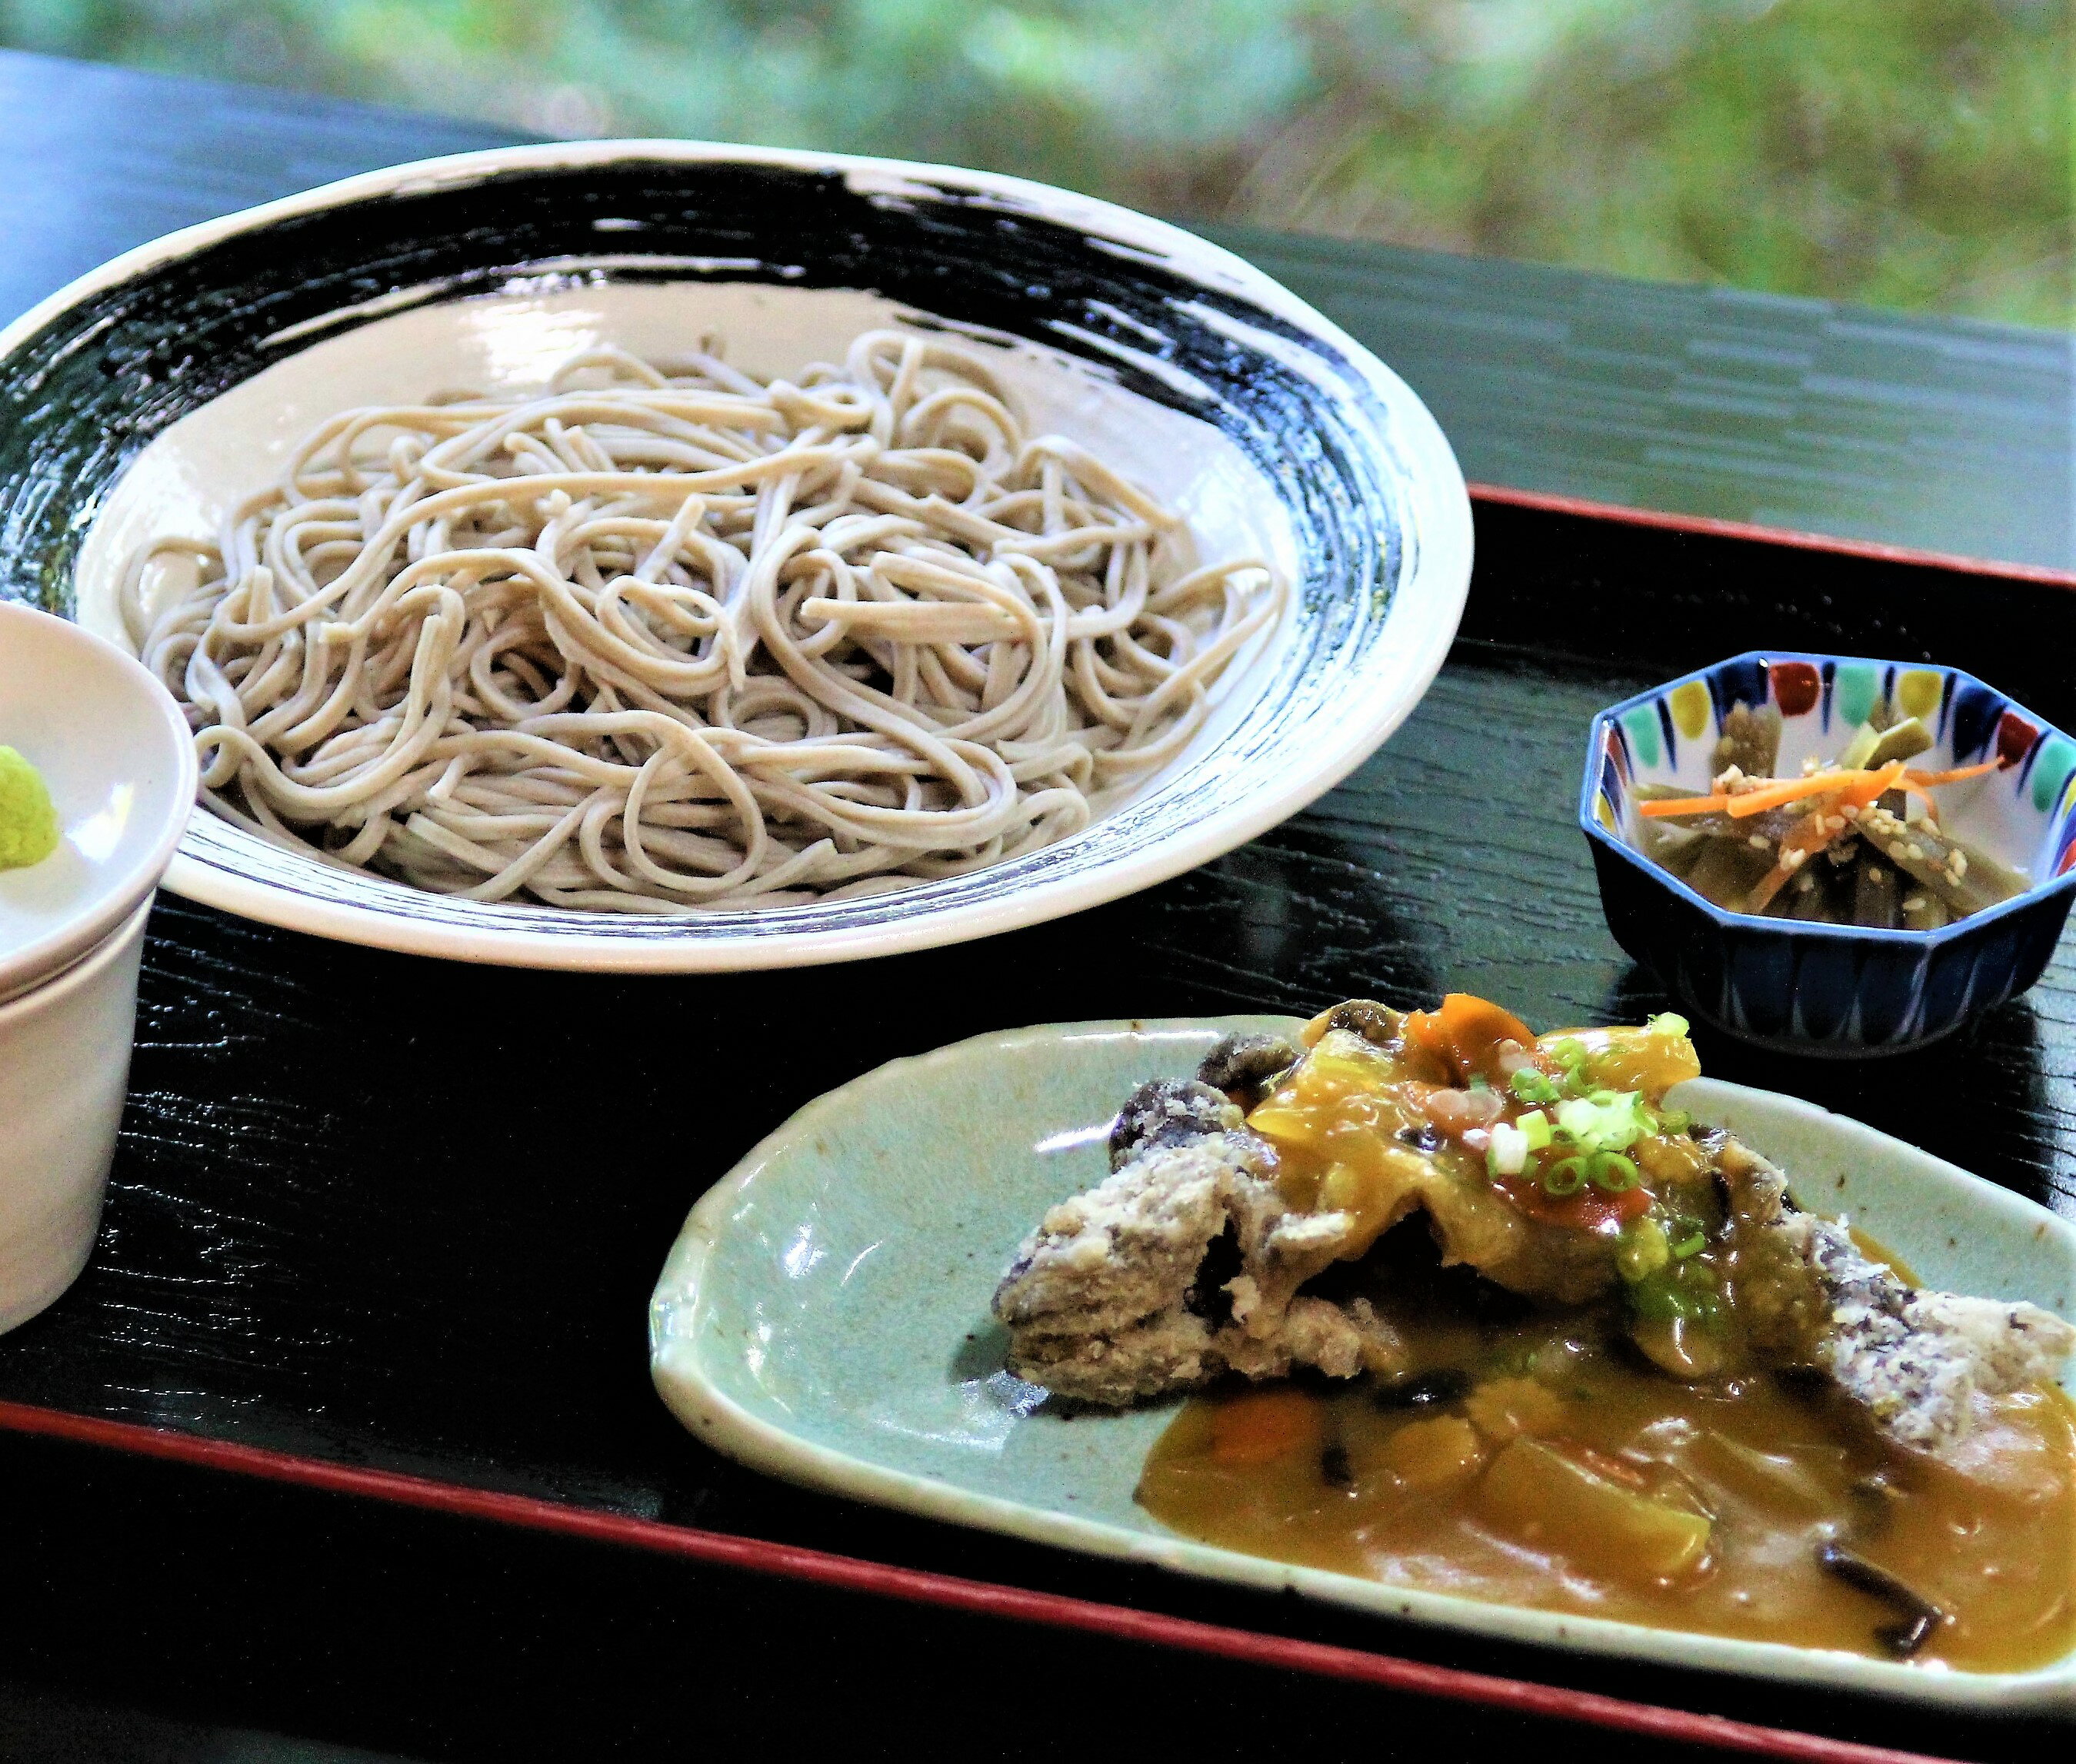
(116, 754)
(64, 1067)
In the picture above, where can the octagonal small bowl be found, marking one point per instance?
(1839, 990)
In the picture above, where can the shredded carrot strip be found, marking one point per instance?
(1858, 788)
(1871, 786)
(1924, 795)
(1803, 841)
(1792, 790)
(1954, 777)
(1683, 805)
(1814, 832)
(1769, 885)
(1750, 802)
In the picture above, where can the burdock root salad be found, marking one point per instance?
(1474, 1310)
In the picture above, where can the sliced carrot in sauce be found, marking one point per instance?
(1589, 1210)
(1262, 1425)
(1465, 1034)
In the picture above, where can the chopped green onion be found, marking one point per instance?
(1606, 1121)
(1860, 749)
(1610, 1170)
(1568, 1175)
(1479, 1082)
(1506, 1151)
(1674, 1121)
(1691, 1246)
(1531, 1085)
(1668, 1023)
(1534, 1127)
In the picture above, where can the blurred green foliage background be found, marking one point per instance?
(1904, 153)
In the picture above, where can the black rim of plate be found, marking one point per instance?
(101, 378)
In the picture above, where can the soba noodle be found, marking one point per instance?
(665, 638)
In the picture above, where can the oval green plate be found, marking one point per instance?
(824, 1316)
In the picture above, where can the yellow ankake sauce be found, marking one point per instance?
(1551, 1465)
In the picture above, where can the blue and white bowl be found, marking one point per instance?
(1835, 990)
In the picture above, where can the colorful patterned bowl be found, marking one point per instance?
(1835, 990)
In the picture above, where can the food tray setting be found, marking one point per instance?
(341, 1222)
(864, 717)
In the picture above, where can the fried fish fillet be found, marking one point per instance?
(1917, 1360)
(1188, 1262)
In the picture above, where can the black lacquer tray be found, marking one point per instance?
(386, 1227)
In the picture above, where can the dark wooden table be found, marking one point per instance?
(320, 1244)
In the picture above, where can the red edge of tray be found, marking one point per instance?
(1552, 504)
(980, 1598)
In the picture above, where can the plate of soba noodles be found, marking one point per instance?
(654, 556)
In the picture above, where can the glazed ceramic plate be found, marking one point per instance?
(160, 390)
(824, 1317)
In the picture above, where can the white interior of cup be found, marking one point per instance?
(115, 752)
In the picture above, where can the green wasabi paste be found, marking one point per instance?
(28, 817)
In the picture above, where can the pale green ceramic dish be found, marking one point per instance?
(824, 1316)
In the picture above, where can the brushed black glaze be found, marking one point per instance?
(389, 1211)
(102, 377)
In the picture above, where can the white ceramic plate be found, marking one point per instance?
(167, 384)
(823, 1316)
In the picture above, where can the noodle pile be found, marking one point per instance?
(663, 638)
